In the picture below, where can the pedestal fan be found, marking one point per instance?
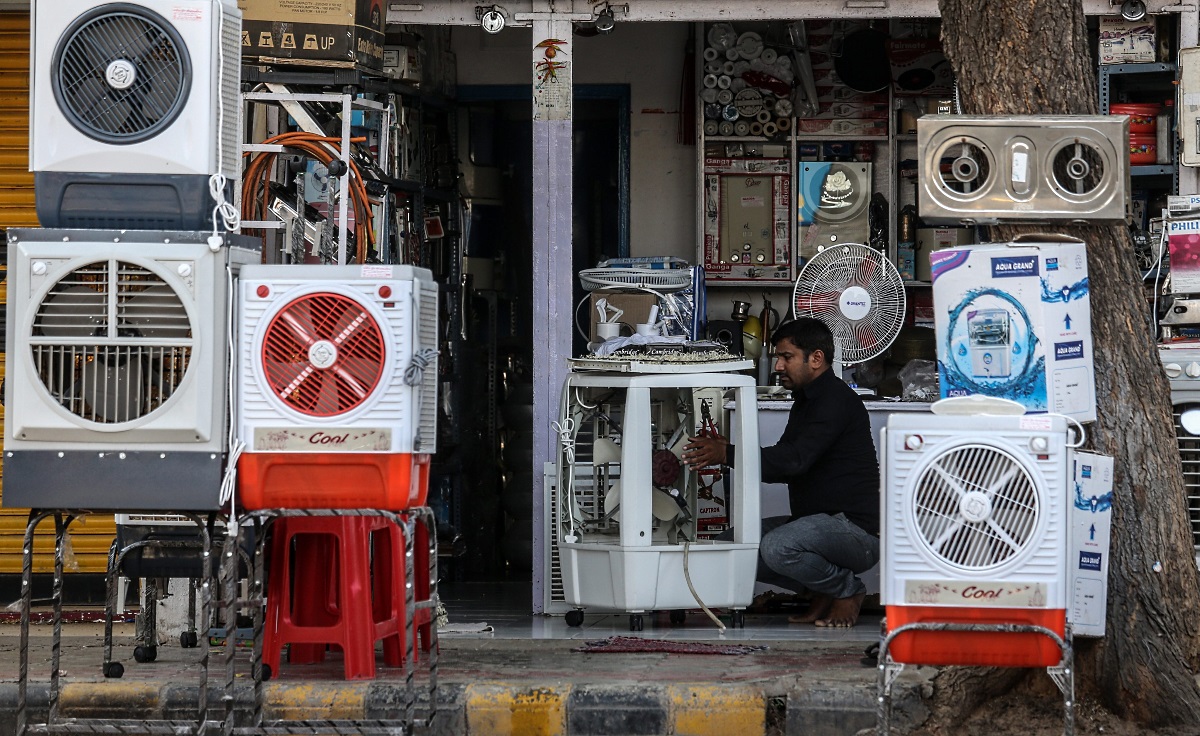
(858, 293)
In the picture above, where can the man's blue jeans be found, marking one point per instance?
(822, 553)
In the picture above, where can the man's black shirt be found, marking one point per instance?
(826, 455)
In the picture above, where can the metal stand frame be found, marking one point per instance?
(1062, 673)
(261, 520)
(62, 521)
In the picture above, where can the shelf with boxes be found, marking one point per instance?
(829, 170)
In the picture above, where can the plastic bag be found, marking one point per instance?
(919, 381)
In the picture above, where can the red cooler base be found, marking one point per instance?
(969, 648)
(293, 480)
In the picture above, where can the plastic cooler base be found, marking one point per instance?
(988, 649)
(282, 480)
(635, 579)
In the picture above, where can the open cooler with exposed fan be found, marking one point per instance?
(630, 529)
(337, 386)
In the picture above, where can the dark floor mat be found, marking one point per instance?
(634, 644)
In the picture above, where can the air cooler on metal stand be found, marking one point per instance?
(337, 386)
(117, 354)
(975, 539)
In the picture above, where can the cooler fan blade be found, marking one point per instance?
(288, 377)
(103, 108)
(157, 312)
(663, 506)
(76, 311)
(612, 497)
(301, 329)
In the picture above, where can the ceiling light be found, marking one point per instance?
(605, 20)
(491, 18)
(1133, 10)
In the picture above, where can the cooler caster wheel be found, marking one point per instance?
(266, 672)
(114, 669)
(145, 654)
(738, 620)
(635, 622)
(574, 617)
(189, 640)
(678, 617)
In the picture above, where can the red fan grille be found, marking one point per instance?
(323, 354)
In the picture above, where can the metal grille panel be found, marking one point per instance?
(342, 330)
(1189, 455)
(111, 342)
(121, 74)
(976, 507)
(427, 316)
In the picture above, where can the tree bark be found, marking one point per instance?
(1031, 57)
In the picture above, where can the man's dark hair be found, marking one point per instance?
(807, 334)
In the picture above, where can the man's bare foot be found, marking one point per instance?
(844, 612)
(818, 607)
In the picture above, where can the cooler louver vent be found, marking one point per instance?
(976, 507)
(323, 354)
(121, 74)
(111, 342)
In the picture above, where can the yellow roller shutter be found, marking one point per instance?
(91, 536)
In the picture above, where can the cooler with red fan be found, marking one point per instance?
(337, 386)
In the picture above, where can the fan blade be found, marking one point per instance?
(605, 452)
(663, 506)
(351, 383)
(157, 312)
(76, 311)
(101, 106)
(950, 531)
(612, 497)
(298, 319)
(287, 377)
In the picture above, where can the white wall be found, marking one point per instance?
(649, 58)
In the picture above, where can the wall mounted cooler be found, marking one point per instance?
(116, 393)
(630, 529)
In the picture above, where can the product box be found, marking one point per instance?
(832, 204)
(1090, 520)
(930, 239)
(337, 33)
(403, 63)
(1013, 320)
(1183, 246)
(853, 110)
(919, 67)
(634, 306)
(747, 219)
(1127, 41)
(827, 126)
(712, 497)
(904, 261)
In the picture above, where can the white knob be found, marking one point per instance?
(185, 270)
(39, 268)
(1039, 444)
(1172, 370)
(1193, 370)
(913, 442)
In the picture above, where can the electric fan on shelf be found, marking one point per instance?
(858, 293)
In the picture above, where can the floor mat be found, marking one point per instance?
(635, 644)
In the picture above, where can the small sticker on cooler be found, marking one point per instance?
(1036, 423)
(376, 271)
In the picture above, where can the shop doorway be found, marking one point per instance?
(495, 504)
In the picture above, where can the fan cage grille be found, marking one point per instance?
(955, 479)
(147, 42)
(824, 280)
(111, 342)
(333, 320)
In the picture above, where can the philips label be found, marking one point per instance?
(1089, 561)
(1011, 267)
(1068, 350)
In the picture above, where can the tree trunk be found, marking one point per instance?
(1029, 57)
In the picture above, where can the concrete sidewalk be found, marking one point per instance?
(486, 686)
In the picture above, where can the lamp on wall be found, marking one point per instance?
(491, 17)
(1133, 9)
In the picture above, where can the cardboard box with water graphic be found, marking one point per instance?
(1090, 515)
(1013, 320)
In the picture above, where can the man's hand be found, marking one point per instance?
(701, 451)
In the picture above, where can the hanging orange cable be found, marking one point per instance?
(256, 193)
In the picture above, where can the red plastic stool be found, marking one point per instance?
(336, 580)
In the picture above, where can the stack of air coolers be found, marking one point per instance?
(119, 311)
